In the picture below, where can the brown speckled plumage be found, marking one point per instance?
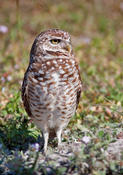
(52, 85)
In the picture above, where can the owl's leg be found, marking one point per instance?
(46, 137)
(58, 134)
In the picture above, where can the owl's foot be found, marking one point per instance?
(61, 148)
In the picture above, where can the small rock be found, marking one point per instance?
(115, 150)
(86, 139)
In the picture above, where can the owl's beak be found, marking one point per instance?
(67, 48)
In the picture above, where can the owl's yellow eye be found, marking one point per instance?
(55, 41)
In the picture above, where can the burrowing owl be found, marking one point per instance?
(52, 84)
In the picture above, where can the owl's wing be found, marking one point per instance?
(24, 94)
(79, 90)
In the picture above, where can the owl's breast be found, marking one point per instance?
(52, 89)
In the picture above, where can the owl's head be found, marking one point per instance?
(52, 41)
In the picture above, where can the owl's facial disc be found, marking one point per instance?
(57, 45)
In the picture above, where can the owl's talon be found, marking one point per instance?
(60, 147)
